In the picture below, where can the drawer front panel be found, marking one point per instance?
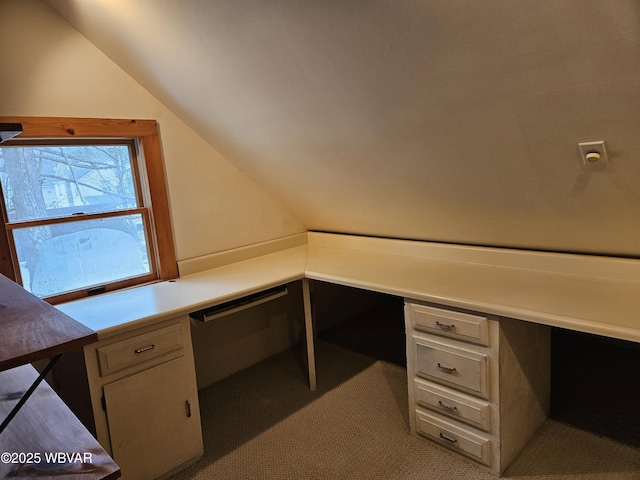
(453, 404)
(450, 365)
(454, 437)
(449, 323)
(155, 347)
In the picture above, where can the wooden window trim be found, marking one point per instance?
(152, 181)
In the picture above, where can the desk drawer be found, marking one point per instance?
(453, 404)
(456, 438)
(453, 366)
(449, 323)
(147, 349)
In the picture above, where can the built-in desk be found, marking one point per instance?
(592, 294)
(140, 374)
(477, 328)
(122, 311)
(599, 295)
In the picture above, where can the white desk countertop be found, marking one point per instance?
(606, 307)
(116, 312)
(588, 294)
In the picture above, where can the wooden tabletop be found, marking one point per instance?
(45, 439)
(31, 329)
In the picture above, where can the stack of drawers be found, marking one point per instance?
(477, 385)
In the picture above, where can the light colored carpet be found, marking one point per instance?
(264, 423)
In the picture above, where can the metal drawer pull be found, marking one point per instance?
(188, 405)
(445, 326)
(445, 369)
(451, 408)
(448, 439)
(145, 349)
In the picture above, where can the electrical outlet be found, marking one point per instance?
(593, 152)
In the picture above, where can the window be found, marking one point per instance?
(85, 207)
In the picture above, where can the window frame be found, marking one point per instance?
(149, 178)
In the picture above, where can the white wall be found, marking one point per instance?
(446, 120)
(49, 69)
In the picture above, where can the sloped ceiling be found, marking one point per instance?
(445, 120)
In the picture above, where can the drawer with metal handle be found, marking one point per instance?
(463, 369)
(453, 404)
(145, 349)
(462, 440)
(449, 323)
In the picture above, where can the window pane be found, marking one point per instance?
(53, 181)
(76, 255)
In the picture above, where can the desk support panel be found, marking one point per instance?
(308, 326)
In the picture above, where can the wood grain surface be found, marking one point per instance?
(45, 439)
(31, 329)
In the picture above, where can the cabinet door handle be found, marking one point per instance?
(145, 349)
(450, 408)
(445, 326)
(188, 405)
(448, 439)
(445, 369)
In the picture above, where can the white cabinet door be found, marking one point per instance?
(152, 420)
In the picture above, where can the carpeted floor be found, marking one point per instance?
(264, 423)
